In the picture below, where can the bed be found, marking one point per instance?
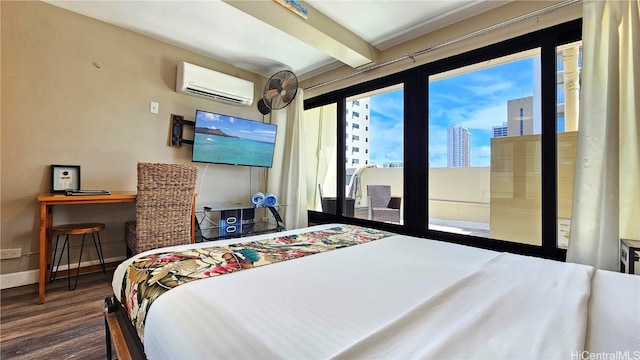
(345, 292)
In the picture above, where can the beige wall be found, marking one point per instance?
(460, 194)
(60, 107)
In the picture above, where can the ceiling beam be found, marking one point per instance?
(317, 30)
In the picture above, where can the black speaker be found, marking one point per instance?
(248, 215)
(230, 222)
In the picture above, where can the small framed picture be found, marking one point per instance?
(65, 177)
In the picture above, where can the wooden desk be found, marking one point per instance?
(47, 201)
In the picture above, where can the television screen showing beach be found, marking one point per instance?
(229, 140)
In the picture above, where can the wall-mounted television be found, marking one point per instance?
(224, 139)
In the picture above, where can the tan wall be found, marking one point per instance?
(460, 194)
(58, 107)
(516, 185)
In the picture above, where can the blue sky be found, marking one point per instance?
(387, 127)
(476, 100)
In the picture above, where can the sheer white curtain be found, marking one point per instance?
(606, 198)
(321, 138)
(288, 177)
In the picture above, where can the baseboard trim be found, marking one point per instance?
(31, 276)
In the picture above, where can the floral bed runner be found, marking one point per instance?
(150, 276)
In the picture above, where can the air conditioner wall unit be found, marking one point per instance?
(196, 80)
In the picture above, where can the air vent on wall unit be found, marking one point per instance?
(196, 80)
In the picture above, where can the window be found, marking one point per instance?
(355, 138)
(385, 109)
(505, 198)
(476, 146)
(480, 184)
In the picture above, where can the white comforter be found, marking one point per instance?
(399, 297)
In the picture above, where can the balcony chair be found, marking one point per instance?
(381, 206)
(329, 204)
(165, 207)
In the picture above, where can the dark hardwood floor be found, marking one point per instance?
(70, 324)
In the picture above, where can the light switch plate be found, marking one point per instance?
(153, 108)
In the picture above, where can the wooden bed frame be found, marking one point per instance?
(120, 333)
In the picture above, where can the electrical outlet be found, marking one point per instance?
(10, 253)
(153, 108)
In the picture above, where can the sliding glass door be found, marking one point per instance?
(374, 155)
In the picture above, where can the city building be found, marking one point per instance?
(520, 116)
(458, 147)
(357, 133)
(501, 130)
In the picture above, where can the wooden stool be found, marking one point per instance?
(76, 229)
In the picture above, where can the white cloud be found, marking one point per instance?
(491, 89)
(486, 117)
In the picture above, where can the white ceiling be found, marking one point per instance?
(223, 32)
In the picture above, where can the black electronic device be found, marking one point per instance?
(224, 139)
(230, 222)
(248, 215)
(236, 221)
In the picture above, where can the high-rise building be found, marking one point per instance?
(458, 147)
(357, 133)
(500, 131)
(520, 116)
